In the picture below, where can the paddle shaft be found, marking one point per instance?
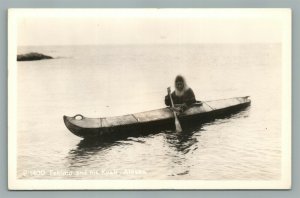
(177, 123)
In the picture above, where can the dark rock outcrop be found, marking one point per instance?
(33, 56)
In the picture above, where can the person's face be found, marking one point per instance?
(179, 85)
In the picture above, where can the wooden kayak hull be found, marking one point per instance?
(152, 121)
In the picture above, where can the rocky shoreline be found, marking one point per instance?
(33, 56)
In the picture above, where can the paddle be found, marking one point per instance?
(177, 123)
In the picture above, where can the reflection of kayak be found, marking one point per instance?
(152, 120)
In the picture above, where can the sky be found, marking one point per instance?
(148, 27)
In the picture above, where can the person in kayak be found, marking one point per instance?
(183, 96)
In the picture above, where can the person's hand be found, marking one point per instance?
(183, 107)
(179, 108)
(169, 90)
(176, 109)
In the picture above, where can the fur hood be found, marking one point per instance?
(185, 86)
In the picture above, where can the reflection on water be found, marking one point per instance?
(85, 150)
(187, 138)
(182, 141)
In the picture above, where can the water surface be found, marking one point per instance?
(101, 81)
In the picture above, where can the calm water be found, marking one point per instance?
(101, 81)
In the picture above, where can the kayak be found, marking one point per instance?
(154, 120)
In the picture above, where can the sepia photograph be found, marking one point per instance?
(149, 99)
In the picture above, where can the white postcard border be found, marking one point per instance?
(284, 15)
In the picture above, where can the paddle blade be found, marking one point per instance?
(177, 125)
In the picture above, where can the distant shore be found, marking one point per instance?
(32, 56)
